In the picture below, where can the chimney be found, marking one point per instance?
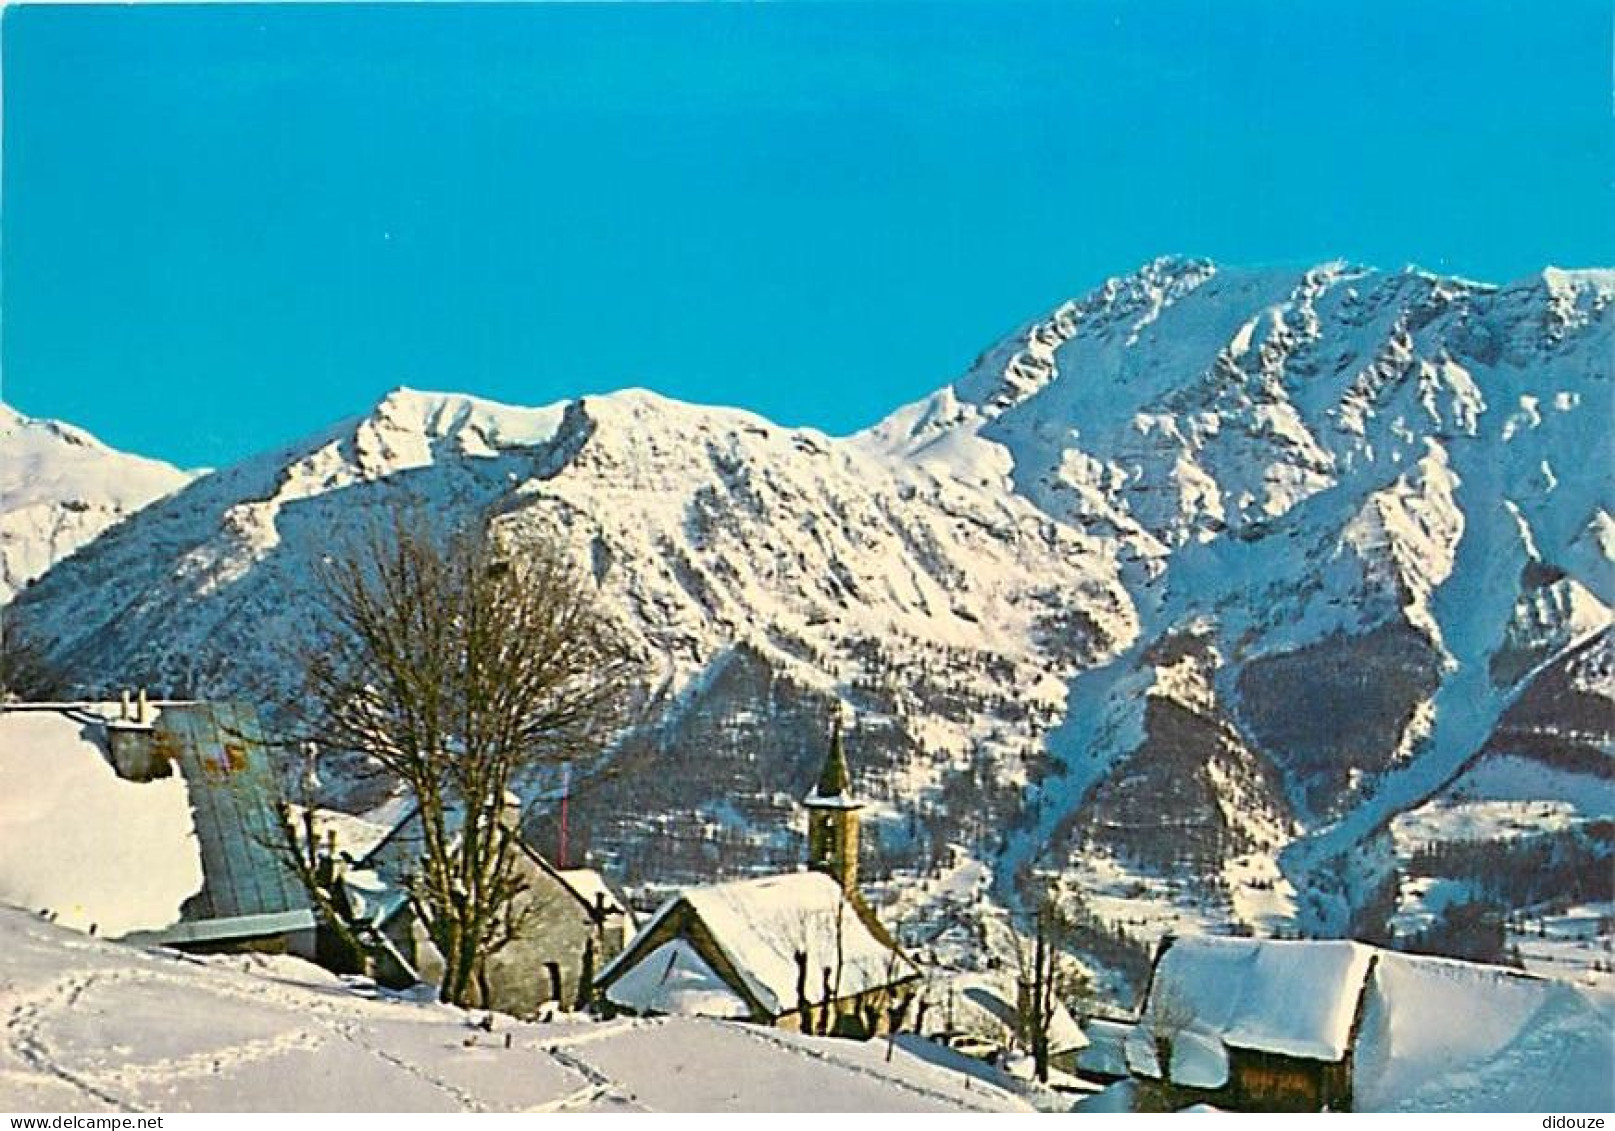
(123, 704)
(327, 868)
(510, 811)
(140, 707)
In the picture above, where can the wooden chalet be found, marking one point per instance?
(1254, 1024)
(1312, 1025)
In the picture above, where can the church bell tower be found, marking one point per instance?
(833, 819)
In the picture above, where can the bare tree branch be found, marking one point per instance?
(465, 669)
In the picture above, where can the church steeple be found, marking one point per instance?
(834, 781)
(833, 818)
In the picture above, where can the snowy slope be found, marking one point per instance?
(1183, 592)
(1451, 1036)
(91, 1026)
(59, 488)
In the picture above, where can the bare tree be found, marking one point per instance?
(316, 863)
(817, 935)
(832, 974)
(888, 1002)
(464, 668)
(804, 1008)
(1046, 981)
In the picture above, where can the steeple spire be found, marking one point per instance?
(834, 781)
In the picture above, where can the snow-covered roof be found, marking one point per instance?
(378, 885)
(1296, 998)
(356, 837)
(996, 1002)
(1106, 1053)
(675, 979)
(82, 843)
(397, 853)
(373, 899)
(1440, 1034)
(760, 925)
(1433, 1034)
(147, 858)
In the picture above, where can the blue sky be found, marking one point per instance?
(226, 227)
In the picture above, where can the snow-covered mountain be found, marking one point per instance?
(59, 488)
(1189, 595)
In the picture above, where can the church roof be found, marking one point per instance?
(674, 978)
(758, 926)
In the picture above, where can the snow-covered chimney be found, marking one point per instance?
(131, 742)
(510, 811)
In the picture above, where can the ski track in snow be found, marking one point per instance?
(120, 1087)
(92, 1025)
(24, 1016)
(312, 1023)
(599, 1087)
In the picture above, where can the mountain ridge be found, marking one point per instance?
(60, 487)
(1132, 536)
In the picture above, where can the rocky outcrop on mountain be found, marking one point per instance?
(1358, 490)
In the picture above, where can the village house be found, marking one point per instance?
(1253, 1024)
(801, 950)
(1309, 1025)
(149, 821)
(574, 924)
(154, 822)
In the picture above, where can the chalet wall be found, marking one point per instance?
(1263, 1081)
